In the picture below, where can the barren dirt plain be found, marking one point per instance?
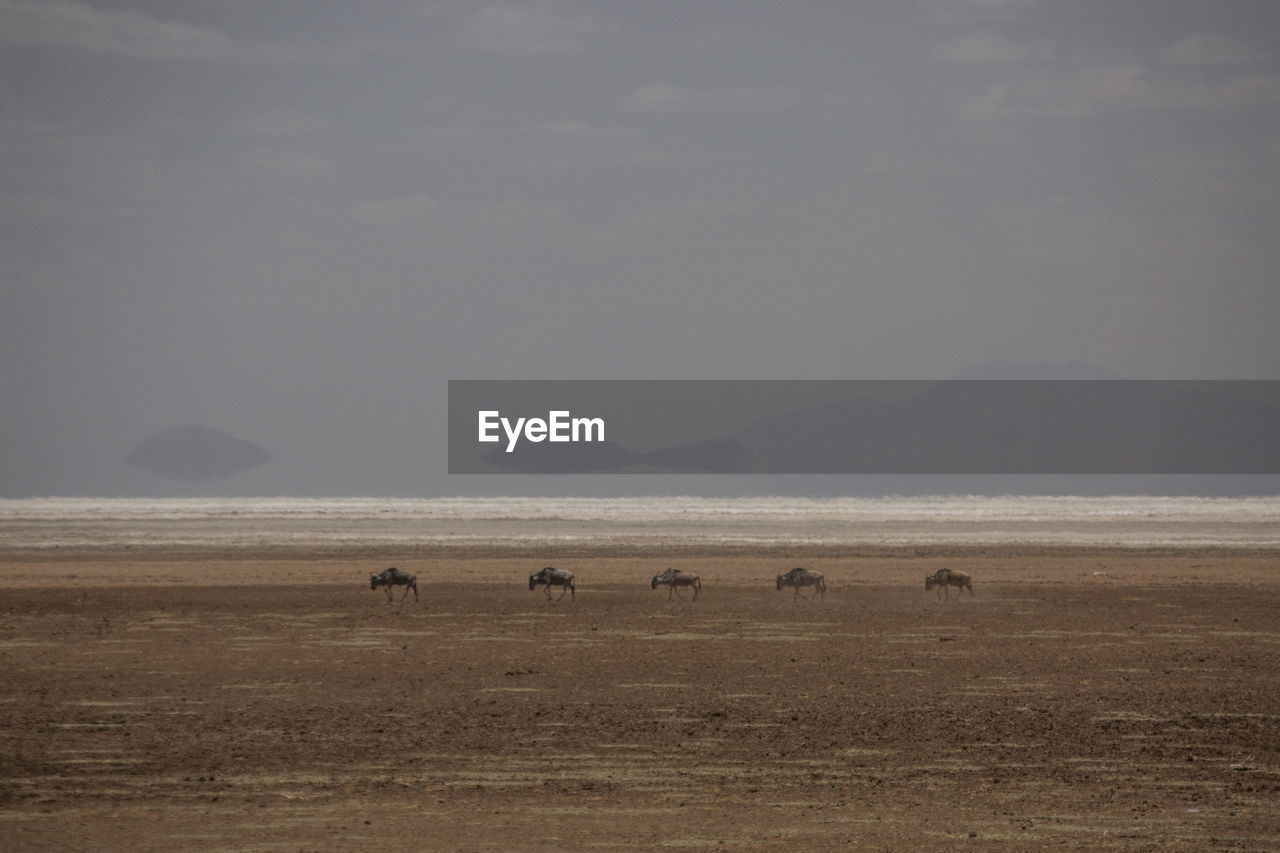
(1083, 698)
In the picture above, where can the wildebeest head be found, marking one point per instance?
(373, 581)
(780, 579)
(929, 581)
(533, 579)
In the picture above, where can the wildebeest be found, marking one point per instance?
(550, 577)
(394, 577)
(799, 577)
(946, 578)
(674, 578)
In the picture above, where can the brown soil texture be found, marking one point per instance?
(1084, 699)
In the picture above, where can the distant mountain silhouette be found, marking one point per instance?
(997, 419)
(1012, 427)
(715, 456)
(1035, 370)
(194, 452)
(556, 458)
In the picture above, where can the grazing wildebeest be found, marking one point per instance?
(550, 577)
(674, 578)
(394, 577)
(946, 578)
(799, 577)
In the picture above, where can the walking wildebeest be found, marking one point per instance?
(674, 578)
(946, 578)
(394, 577)
(799, 577)
(550, 577)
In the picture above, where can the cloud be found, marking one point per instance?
(982, 48)
(549, 26)
(1081, 93)
(75, 25)
(585, 130)
(1087, 92)
(287, 122)
(79, 26)
(1251, 91)
(1208, 49)
(665, 98)
(662, 98)
(953, 11)
(289, 164)
(393, 211)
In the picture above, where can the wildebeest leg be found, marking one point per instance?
(563, 589)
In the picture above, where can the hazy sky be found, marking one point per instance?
(295, 220)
